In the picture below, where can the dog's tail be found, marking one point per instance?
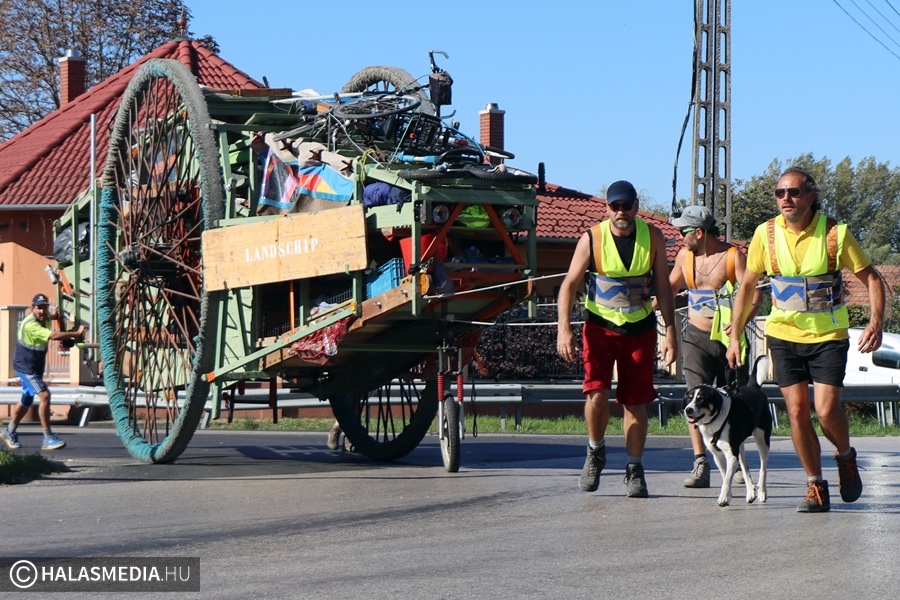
(760, 372)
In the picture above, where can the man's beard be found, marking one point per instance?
(797, 216)
(622, 224)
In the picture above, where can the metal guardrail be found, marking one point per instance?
(885, 397)
(90, 397)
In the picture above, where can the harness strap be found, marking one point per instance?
(770, 230)
(595, 259)
(832, 243)
(831, 233)
(689, 270)
(732, 273)
(718, 434)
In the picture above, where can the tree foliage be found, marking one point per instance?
(865, 196)
(109, 34)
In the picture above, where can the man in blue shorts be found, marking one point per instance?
(31, 353)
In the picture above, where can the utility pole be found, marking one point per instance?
(712, 109)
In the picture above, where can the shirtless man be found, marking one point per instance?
(709, 269)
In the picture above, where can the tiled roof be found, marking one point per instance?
(566, 214)
(855, 292)
(48, 164)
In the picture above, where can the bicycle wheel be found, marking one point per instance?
(389, 422)
(162, 188)
(376, 107)
(451, 433)
(389, 80)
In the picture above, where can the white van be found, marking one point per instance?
(879, 367)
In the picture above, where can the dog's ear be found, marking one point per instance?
(685, 400)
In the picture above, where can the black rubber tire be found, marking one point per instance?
(389, 79)
(432, 174)
(491, 151)
(487, 173)
(464, 156)
(451, 434)
(162, 187)
(381, 440)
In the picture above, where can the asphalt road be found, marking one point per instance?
(278, 515)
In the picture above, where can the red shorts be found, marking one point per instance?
(633, 355)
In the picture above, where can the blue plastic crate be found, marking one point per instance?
(385, 278)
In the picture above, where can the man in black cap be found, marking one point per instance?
(709, 268)
(34, 335)
(618, 259)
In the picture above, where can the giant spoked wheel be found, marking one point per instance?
(162, 188)
(389, 422)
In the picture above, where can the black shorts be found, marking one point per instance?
(704, 361)
(824, 362)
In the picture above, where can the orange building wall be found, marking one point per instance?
(32, 229)
(22, 275)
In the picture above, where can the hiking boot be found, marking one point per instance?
(848, 474)
(699, 477)
(51, 442)
(11, 438)
(334, 437)
(590, 473)
(817, 499)
(635, 484)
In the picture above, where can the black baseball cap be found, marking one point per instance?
(621, 191)
(40, 300)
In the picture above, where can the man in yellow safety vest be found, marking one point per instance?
(803, 252)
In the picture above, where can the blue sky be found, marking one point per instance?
(598, 89)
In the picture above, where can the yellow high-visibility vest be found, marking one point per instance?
(615, 293)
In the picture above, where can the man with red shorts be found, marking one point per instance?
(618, 259)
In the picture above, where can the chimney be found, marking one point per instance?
(491, 129)
(72, 76)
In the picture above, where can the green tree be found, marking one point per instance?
(753, 202)
(865, 196)
(110, 34)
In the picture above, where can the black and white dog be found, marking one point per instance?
(726, 417)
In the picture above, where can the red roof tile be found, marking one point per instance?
(48, 164)
(566, 214)
(855, 292)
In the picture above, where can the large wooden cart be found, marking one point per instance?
(241, 237)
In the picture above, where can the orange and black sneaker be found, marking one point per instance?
(848, 472)
(817, 498)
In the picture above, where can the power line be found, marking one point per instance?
(866, 30)
(874, 22)
(892, 7)
(883, 17)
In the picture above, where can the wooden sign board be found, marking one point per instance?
(287, 248)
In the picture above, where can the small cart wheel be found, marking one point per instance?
(450, 433)
(387, 423)
(162, 187)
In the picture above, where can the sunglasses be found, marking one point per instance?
(621, 205)
(793, 192)
(687, 230)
